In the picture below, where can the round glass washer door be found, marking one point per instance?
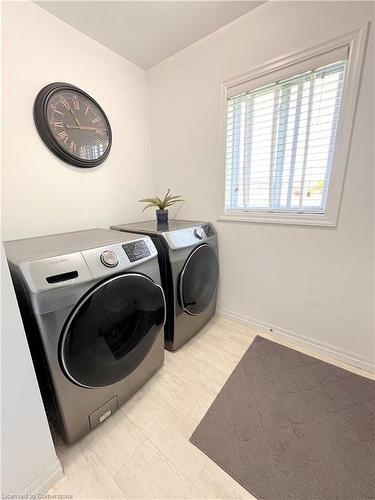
(111, 330)
(198, 280)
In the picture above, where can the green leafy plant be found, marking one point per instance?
(161, 203)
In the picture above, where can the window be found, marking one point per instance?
(281, 140)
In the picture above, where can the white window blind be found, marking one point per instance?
(280, 141)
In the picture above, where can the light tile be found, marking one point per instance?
(150, 475)
(214, 482)
(203, 375)
(179, 392)
(114, 441)
(86, 477)
(213, 356)
(231, 343)
(168, 430)
(171, 358)
(232, 326)
(200, 409)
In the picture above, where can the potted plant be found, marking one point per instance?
(162, 204)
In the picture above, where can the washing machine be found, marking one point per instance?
(93, 309)
(189, 266)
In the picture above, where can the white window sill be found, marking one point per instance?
(278, 218)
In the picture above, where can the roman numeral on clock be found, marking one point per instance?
(63, 135)
(64, 102)
(75, 103)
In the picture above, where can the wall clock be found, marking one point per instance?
(72, 125)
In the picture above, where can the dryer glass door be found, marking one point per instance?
(111, 330)
(198, 280)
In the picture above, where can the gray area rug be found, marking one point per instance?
(286, 425)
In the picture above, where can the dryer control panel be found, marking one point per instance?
(182, 238)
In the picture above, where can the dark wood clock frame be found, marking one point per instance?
(41, 123)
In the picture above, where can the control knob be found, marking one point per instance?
(199, 233)
(109, 258)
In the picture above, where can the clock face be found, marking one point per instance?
(72, 125)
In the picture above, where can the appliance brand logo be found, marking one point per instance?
(57, 261)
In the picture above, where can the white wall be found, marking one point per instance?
(314, 283)
(41, 194)
(28, 456)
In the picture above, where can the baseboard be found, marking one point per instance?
(309, 343)
(45, 481)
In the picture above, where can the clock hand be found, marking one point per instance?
(86, 128)
(74, 116)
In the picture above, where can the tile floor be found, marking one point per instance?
(143, 450)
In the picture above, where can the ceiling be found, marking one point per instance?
(147, 32)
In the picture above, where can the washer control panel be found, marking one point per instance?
(136, 250)
(109, 258)
(86, 265)
(120, 256)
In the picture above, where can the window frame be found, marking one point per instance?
(355, 41)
